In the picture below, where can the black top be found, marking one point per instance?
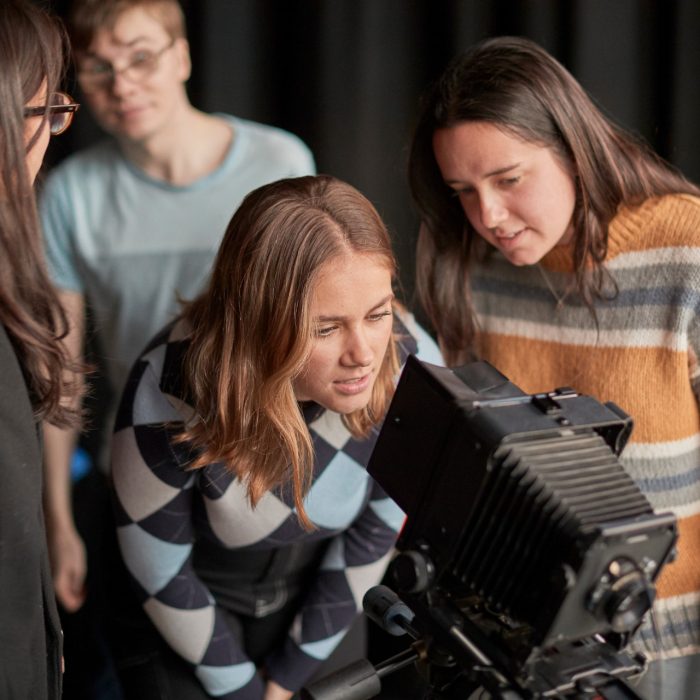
(30, 633)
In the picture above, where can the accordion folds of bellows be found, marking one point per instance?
(518, 504)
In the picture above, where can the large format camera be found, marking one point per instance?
(528, 556)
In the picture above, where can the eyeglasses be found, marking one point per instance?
(60, 112)
(98, 74)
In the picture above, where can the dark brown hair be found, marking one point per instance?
(516, 85)
(32, 53)
(251, 329)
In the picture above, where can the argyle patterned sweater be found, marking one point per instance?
(643, 356)
(165, 512)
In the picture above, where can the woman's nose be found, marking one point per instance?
(492, 211)
(359, 350)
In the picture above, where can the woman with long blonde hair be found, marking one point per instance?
(246, 517)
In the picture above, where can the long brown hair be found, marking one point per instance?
(251, 330)
(32, 52)
(516, 85)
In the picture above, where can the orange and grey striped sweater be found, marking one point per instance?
(643, 356)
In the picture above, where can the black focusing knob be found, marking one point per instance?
(412, 572)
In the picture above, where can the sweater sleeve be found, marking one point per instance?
(355, 561)
(153, 500)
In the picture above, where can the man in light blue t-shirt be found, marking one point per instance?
(133, 223)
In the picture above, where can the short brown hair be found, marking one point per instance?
(87, 17)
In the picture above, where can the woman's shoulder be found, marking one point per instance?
(162, 361)
(155, 392)
(673, 208)
(670, 221)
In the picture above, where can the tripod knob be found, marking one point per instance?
(412, 572)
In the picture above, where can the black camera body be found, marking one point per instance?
(521, 522)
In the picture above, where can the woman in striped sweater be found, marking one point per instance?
(562, 250)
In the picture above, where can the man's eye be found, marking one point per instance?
(141, 58)
(99, 68)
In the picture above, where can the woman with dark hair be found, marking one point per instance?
(36, 381)
(561, 249)
(245, 515)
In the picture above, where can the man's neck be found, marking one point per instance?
(193, 145)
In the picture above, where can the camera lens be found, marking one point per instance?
(622, 595)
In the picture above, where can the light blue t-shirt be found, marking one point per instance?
(132, 244)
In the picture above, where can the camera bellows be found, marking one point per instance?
(544, 505)
(519, 510)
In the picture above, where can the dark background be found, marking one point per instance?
(346, 75)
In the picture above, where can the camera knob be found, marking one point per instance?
(412, 572)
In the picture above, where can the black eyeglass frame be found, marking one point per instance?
(67, 108)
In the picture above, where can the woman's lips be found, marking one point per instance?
(353, 385)
(510, 239)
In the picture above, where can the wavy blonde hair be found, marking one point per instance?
(251, 330)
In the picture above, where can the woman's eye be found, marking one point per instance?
(379, 316)
(324, 331)
(509, 181)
